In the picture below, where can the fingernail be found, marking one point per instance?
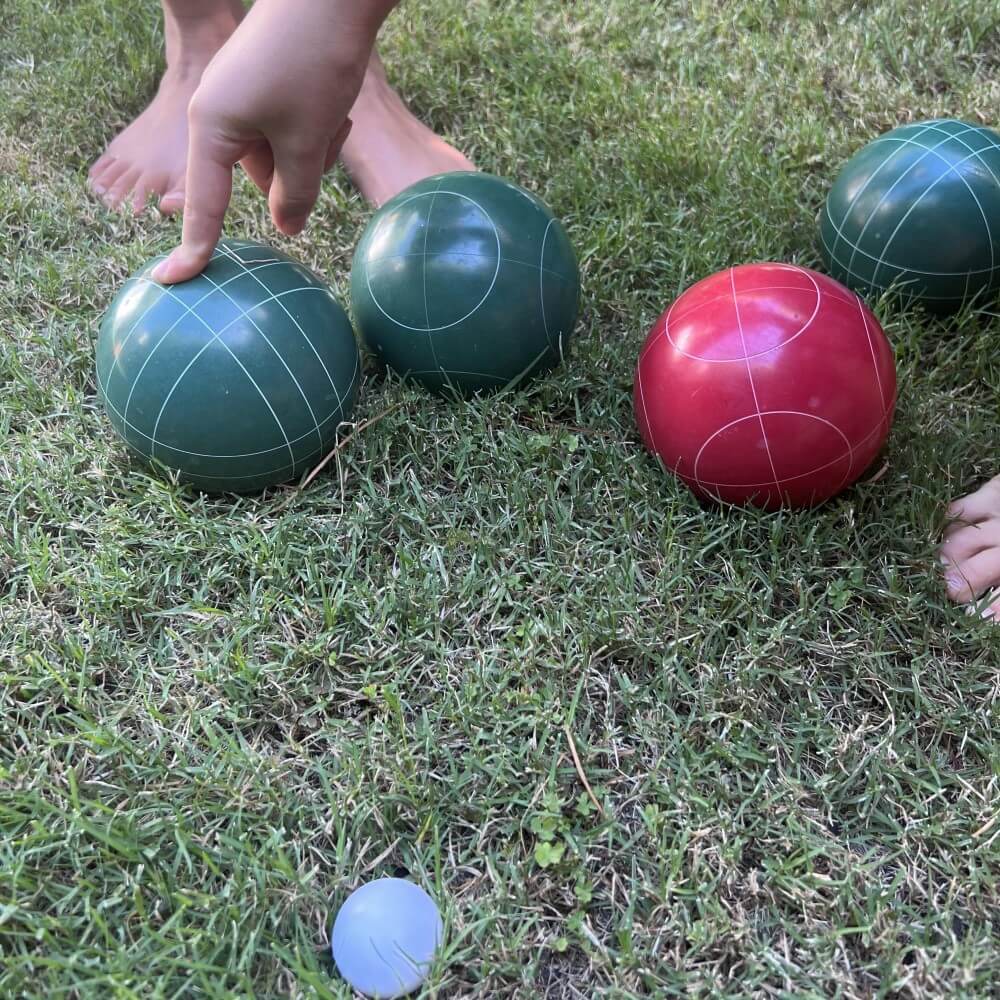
(99, 189)
(296, 225)
(161, 272)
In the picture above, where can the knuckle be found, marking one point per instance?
(201, 109)
(296, 201)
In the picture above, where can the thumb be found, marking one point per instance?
(209, 186)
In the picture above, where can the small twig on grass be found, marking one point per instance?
(986, 826)
(579, 770)
(358, 428)
(878, 475)
(340, 444)
(380, 858)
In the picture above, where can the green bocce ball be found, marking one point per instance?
(465, 283)
(236, 380)
(918, 211)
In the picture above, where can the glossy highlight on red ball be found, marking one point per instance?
(767, 384)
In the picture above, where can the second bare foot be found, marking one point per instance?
(388, 148)
(971, 549)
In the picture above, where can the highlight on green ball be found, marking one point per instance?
(917, 212)
(466, 283)
(234, 381)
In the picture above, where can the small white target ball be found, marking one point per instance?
(385, 937)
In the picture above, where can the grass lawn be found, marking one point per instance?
(219, 716)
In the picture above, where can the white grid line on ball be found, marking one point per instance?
(223, 457)
(744, 292)
(887, 193)
(880, 261)
(188, 311)
(152, 305)
(298, 326)
(660, 336)
(900, 286)
(298, 385)
(231, 455)
(871, 177)
(894, 134)
(215, 336)
(952, 168)
(935, 127)
(666, 320)
(423, 269)
(978, 154)
(901, 267)
(847, 299)
(871, 346)
(472, 312)
(541, 284)
(969, 130)
(465, 253)
(753, 388)
(878, 429)
(265, 475)
(642, 399)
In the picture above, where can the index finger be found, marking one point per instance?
(209, 186)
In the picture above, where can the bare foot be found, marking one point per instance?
(150, 156)
(971, 549)
(388, 149)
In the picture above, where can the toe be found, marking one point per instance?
(968, 579)
(100, 165)
(149, 184)
(963, 541)
(172, 201)
(100, 182)
(992, 613)
(121, 187)
(141, 190)
(106, 181)
(984, 503)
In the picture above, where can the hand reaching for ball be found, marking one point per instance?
(276, 99)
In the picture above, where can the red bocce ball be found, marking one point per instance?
(766, 383)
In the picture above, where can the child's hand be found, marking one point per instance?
(276, 97)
